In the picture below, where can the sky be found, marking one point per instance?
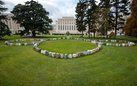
(56, 8)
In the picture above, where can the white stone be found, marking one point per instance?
(25, 43)
(50, 53)
(41, 51)
(123, 44)
(19, 44)
(70, 56)
(88, 52)
(53, 54)
(107, 44)
(61, 55)
(85, 52)
(35, 45)
(74, 55)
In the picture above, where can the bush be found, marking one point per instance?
(111, 34)
(67, 33)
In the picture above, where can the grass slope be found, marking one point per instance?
(111, 66)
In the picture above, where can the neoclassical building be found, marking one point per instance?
(13, 26)
(65, 24)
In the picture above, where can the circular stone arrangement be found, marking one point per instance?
(9, 43)
(59, 55)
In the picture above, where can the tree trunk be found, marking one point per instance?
(88, 34)
(82, 34)
(94, 34)
(89, 31)
(116, 19)
(106, 33)
(33, 34)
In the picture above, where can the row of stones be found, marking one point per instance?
(124, 43)
(9, 43)
(58, 55)
(101, 42)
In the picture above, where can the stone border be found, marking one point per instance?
(124, 43)
(9, 43)
(58, 55)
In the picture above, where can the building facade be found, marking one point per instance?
(12, 24)
(65, 24)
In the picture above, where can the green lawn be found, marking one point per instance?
(68, 46)
(111, 66)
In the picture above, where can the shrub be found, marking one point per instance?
(111, 34)
(67, 33)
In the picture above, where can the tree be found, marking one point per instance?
(33, 17)
(80, 16)
(131, 25)
(4, 30)
(102, 17)
(106, 17)
(90, 18)
(118, 10)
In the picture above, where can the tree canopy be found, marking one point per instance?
(80, 16)
(90, 17)
(119, 9)
(33, 17)
(131, 26)
(4, 30)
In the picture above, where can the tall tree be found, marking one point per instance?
(33, 17)
(106, 16)
(131, 26)
(80, 16)
(102, 18)
(90, 18)
(4, 30)
(119, 9)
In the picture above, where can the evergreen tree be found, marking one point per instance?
(4, 30)
(33, 17)
(131, 26)
(102, 18)
(80, 16)
(90, 18)
(106, 16)
(118, 10)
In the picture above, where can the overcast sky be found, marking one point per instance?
(56, 8)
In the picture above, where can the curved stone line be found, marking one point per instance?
(124, 43)
(9, 43)
(58, 55)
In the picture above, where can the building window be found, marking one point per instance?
(74, 27)
(18, 27)
(61, 27)
(65, 27)
(70, 27)
(58, 27)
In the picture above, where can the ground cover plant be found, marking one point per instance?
(112, 66)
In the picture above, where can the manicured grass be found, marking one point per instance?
(68, 46)
(111, 66)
